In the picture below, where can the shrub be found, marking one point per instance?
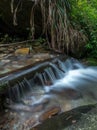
(84, 17)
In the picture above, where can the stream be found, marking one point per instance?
(59, 87)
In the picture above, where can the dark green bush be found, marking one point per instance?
(84, 17)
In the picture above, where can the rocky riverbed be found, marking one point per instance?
(88, 121)
(68, 116)
(82, 118)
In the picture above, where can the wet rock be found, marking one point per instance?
(29, 124)
(37, 108)
(10, 50)
(41, 55)
(48, 83)
(49, 113)
(61, 121)
(5, 61)
(88, 121)
(2, 55)
(19, 59)
(20, 107)
(67, 93)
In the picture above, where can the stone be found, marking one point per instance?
(23, 51)
(49, 113)
(67, 93)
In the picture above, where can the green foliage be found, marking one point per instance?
(84, 16)
(91, 61)
(3, 86)
(41, 40)
(5, 39)
(8, 39)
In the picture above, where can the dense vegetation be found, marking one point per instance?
(84, 17)
(68, 25)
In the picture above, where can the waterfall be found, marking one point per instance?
(63, 84)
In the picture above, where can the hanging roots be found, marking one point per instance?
(55, 23)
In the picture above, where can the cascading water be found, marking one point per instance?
(64, 85)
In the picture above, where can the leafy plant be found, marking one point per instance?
(84, 16)
(5, 39)
(3, 86)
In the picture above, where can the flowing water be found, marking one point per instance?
(62, 85)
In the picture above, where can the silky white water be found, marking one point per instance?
(66, 84)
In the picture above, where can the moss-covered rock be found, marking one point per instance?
(90, 61)
(87, 122)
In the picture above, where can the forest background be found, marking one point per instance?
(68, 26)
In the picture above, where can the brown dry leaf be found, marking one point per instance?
(49, 113)
(22, 51)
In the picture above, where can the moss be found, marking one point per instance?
(87, 122)
(90, 61)
(3, 86)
